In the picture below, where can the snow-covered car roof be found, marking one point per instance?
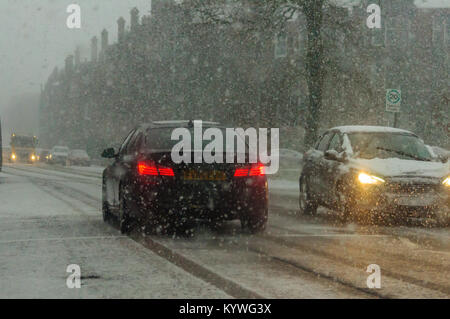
(368, 129)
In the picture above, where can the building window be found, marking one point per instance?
(377, 37)
(447, 32)
(281, 45)
(438, 30)
(397, 32)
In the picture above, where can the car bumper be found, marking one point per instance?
(201, 200)
(58, 159)
(404, 204)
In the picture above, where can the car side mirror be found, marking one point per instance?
(109, 153)
(333, 155)
(444, 159)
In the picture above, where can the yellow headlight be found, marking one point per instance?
(33, 158)
(446, 182)
(369, 179)
(13, 156)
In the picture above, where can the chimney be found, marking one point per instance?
(134, 18)
(77, 56)
(146, 20)
(69, 64)
(94, 49)
(121, 30)
(104, 40)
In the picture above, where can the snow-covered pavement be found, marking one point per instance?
(50, 218)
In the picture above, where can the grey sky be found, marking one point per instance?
(34, 37)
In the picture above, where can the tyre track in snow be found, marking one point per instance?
(195, 269)
(357, 264)
(228, 286)
(233, 288)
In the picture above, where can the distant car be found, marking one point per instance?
(440, 152)
(143, 183)
(58, 155)
(370, 171)
(42, 155)
(290, 158)
(78, 157)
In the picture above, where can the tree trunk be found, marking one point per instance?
(315, 73)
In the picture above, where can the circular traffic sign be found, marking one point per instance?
(393, 96)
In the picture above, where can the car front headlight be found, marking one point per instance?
(13, 156)
(364, 178)
(33, 157)
(446, 182)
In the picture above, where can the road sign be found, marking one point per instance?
(393, 100)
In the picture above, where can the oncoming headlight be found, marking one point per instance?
(446, 182)
(364, 178)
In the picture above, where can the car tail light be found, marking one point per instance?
(150, 168)
(257, 170)
(253, 170)
(165, 171)
(147, 168)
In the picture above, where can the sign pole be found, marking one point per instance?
(393, 103)
(396, 119)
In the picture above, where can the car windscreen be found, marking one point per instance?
(389, 145)
(160, 139)
(60, 150)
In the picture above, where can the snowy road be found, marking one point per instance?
(50, 218)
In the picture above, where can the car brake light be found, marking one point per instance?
(254, 170)
(257, 170)
(150, 168)
(241, 172)
(147, 168)
(165, 171)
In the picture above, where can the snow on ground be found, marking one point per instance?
(93, 168)
(42, 232)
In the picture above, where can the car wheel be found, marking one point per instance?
(306, 204)
(106, 214)
(255, 222)
(125, 221)
(345, 208)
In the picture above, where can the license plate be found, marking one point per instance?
(414, 201)
(194, 175)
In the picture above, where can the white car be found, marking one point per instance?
(58, 155)
(372, 170)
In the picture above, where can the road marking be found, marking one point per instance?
(60, 238)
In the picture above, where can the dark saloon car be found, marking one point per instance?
(370, 171)
(144, 185)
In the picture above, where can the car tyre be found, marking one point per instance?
(255, 222)
(306, 204)
(125, 220)
(106, 214)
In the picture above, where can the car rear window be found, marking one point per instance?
(160, 139)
